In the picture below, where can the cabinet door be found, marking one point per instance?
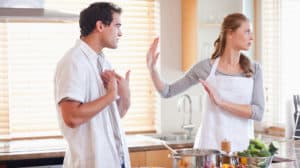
(188, 33)
(138, 159)
(158, 158)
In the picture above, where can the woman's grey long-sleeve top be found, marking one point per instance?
(202, 69)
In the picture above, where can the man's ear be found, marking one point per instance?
(99, 26)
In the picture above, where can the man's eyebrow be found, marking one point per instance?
(118, 24)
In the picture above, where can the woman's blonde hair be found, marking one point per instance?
(231, 23)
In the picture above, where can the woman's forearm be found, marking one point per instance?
(159, 85)
(241, 110)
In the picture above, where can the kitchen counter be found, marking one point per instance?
(54, 148)
(289, 149)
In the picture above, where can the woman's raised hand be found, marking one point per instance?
(211, 93)
(152, 55)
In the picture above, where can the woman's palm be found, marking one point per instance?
(152, 55)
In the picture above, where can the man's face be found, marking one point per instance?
(112, 32)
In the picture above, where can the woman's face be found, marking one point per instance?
(242, 37)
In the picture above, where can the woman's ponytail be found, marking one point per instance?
(246, 65)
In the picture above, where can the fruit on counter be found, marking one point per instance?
(232, 166)
(257, 148)
(227, 165)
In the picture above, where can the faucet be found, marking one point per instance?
(181, 106)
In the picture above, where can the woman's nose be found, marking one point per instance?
(251, 36)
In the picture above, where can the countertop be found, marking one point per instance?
(55, 147)
(52, 148)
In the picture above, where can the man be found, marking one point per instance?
(90, 97)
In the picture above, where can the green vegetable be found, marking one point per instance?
(273, 147)
(257, 148)
(251, 147)
(263, 153)
(258, 144)
(245, 153)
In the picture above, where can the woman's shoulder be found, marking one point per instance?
(256, 67)
(204, 63)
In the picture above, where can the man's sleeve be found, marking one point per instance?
(70, 82)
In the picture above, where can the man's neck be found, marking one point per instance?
(93, 42)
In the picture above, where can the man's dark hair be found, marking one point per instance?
(102, 11)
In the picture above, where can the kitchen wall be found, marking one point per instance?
(170, 120)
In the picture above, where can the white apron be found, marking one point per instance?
(218, 124)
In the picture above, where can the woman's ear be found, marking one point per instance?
(99, 25)
(229, 33)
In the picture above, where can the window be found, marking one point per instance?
(270, 58)
(280, 59)
(30, 49)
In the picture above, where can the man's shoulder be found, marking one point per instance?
(73, 56)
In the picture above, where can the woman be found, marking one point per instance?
(233, 84)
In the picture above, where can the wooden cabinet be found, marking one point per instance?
(188, 33)
(157, 158)
(138, 159)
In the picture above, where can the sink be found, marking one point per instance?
(172, 137)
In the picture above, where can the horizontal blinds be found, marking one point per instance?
(289, 56)
(280, 61)
(33, 50)
(139, 26)
(271, 58)
(4, 115)
(30, 51)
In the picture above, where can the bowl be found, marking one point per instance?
(252, 162)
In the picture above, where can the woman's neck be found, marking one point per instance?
(229, 62)
(230, 57)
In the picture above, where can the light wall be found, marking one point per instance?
(170, 120)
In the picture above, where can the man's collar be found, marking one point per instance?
(89, 51)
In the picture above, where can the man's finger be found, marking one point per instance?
(127, 75)
(118, 76)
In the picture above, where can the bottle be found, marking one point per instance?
(226, 148)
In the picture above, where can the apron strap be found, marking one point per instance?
(215, 65)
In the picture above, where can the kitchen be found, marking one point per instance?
(171, 68)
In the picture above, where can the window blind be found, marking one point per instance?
(280, 34)
(271, 58)
(29, 52)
